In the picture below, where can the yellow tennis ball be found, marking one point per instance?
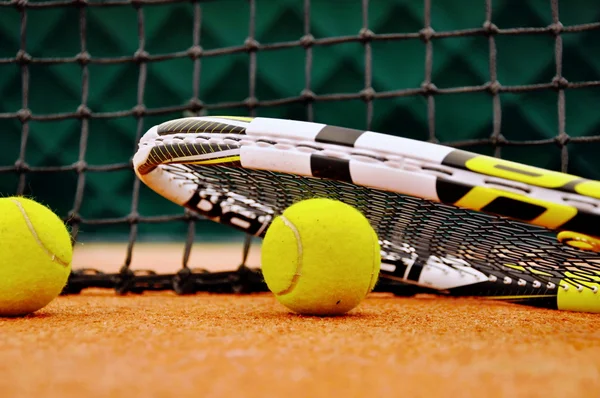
(35, 256)
(320, 257)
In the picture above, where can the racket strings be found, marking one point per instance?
(412, 228)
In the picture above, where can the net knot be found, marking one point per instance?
(559, 83)
(83, 112)
(138, 111)
(84, 58)
(125, 281)
(137, 3)
(308, 95)
(562, 139)
(251, 102)
(80, 3)
(73, 217)
(251, 45)
(556, 28)
(21, 166)
(428, 88)
(141, 56)
(133, 218)
(196, 105)
(494, 87)
(80, 166)
(24, 115)
(426, 34)
(195, 52)
(366, 35)
(307, 41)
(189, 216)
(183, 283)
(490, 28)
(23, 58)
(368, 94)
(19, 4)
(498, 140)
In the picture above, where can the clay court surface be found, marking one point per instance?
(98, 344)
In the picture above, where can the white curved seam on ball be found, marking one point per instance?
(53, 256)
(297, 274)
(373, 273)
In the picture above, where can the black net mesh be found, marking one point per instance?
(495, 139)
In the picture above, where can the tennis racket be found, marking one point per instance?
(456, 222)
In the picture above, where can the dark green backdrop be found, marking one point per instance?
(112, 32)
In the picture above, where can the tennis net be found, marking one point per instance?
(82, 80)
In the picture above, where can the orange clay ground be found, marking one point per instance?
(98, 344)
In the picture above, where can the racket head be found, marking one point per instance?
(213, 167)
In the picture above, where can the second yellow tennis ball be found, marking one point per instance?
(321, 257)
(35, 256)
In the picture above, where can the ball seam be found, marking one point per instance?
(298, 272)
(52, 256)
(374, 272)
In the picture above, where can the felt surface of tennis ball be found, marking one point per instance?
(35, 256)
(320, 257)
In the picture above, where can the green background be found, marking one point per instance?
(112, 32)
